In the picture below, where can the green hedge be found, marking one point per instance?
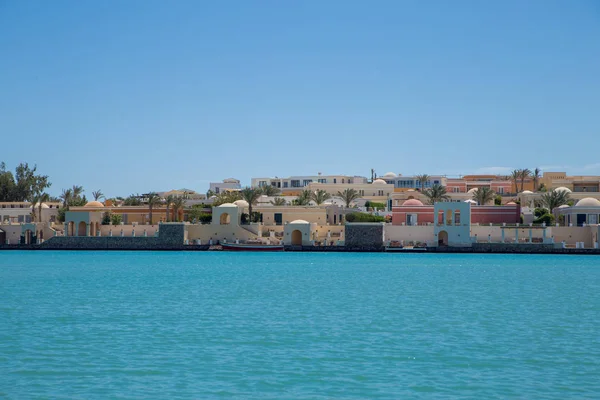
(363, 217)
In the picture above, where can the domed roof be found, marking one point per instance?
(241, 203)
(299, 221)
(94, 204)
(511, 203)
(44, 205)
(471, 201)
(564, 206)
(472, 190)
(389, 175)
(588, 202)
(412, 202)
(527, 192)
(562, 189)
(227, 205)
(379, 182)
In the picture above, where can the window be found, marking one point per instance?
(342, 180)
(278, 219)
(285, 184)
(306, 182)
(322, 181)
(380, 192)
(295, 183)
(334, 180)
(217, 189)
(361, 192)
(501, 190)
(262, 183)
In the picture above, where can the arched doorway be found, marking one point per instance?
(225, 219)
(82, 229)
(297, 238)
(443, 238)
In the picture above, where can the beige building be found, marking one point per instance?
(294, 185)
(575, 183)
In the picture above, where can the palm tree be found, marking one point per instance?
(227, 197)
(251, 195)
(210, 194)
(320, 196)
(42, 198)
(423, 179)
(514, 176)
(168, 201)
(278, 201)
(348, 196)
(66, 196)
(437, 193)
(525, 173)
(536, 175)
(77, 191)
(178, 204)
(554, 199)
(269, 190)
(153, 200)
(483, 195)
(303, 199)
(97, 194)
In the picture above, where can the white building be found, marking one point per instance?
(293, 185)
(227, 185)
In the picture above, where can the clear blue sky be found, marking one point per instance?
(132, 96)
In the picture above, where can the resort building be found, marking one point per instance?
(94, 211)
(293, 185)
(20, 212)
(378, 191)
(413, 212)
(576, 183)
(405, 183)
(229, 184)
(585, 212)
(187, 194)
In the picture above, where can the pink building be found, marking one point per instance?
(413, 212)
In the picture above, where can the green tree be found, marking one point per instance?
(554, 199)
(168, 201)
(42, 199)
(320, 196)
(178, 204)
(210, 193)
(269, 190)
(132, 200)
(536, 175)
(515, 175)
(97, 194)
(227, 197)
(437, 193)
(116, 219)
(498, 200)
(278, 201)
(303, 198)
(524, 174)
(106, 218)
(483, 195)
(363, 217)
(348, 196)
(423, 179)
(153, 200)
(7, 184)
(251, 195)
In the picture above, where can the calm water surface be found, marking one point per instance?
(298, 326)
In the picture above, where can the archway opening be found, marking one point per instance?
(225, 219)
(82, 229)
(296, 238)
(443, 238)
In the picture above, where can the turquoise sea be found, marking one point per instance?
(138, 325)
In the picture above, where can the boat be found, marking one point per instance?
(251, 247)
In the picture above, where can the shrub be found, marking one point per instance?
(498, 200)
(374, 204)
(205, 218)
(106, 218)
(116, 219)
(363, 217)
(548, 219)
(538, 212)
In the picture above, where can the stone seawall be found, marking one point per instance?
(364, 236)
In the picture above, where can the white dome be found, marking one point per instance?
(299, 221)
(472, 190)
(527, 192)
(471, 201)
(379, 182)
(389, 175)
(227, 205)
(562, 189)
(588, 202)
(241, 203)
(44, 205)
(564, 206)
